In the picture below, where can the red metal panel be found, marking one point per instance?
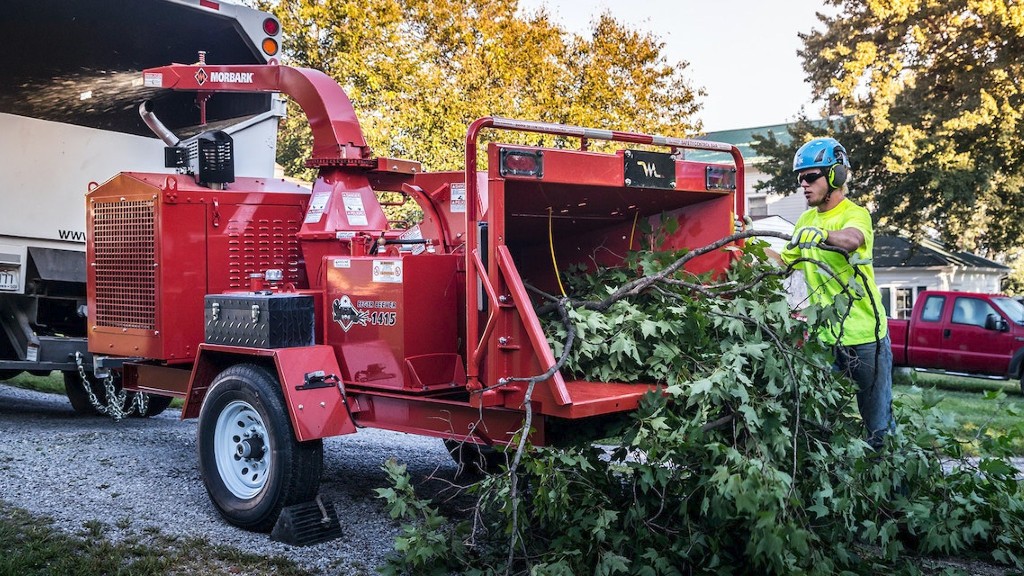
(595, 398)
(317, 412)
(530, 346)
(381, 311)
(443, 418)
(159, 243)
(702, 224)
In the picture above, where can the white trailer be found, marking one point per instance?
(69, 120)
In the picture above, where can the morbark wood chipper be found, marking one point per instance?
(283, 315)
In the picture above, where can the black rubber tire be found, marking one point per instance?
(76, 394)
(293, 474)
(475, 459)
(156, 405)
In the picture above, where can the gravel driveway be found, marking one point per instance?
(143, 473)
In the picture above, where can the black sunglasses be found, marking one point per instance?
(809, 178)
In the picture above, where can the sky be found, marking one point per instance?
(742, 52)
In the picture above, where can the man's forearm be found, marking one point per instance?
(848, 239)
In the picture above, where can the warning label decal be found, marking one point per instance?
(316, 207)
(354, 210)
(389, 271)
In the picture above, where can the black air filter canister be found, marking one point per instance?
(216, 157)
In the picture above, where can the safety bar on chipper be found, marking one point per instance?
(474, 266)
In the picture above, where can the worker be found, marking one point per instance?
(861, 340)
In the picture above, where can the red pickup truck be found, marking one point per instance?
(962, 332)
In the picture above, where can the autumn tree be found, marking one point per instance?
(419, 72)
(932, 94)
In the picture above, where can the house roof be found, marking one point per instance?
(742, 138)
(896, 252)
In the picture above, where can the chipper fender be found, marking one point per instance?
(316, 407)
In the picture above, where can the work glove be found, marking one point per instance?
(807, 237)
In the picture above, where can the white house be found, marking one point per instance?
(903, 269)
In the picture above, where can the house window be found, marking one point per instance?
(904, 302)
(887, 301)
(757, 206)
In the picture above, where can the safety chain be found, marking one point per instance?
(115, 408)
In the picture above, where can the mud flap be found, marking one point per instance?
(307, 523)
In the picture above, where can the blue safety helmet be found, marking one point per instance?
(825, 153)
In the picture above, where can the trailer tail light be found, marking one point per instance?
(270, 46)
(271, 27)
(720, 178)
(522, 162)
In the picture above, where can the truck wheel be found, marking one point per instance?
(80, 399)
(249, 459)
(77, 395)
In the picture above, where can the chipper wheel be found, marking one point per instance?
(249, 459)
(81, 403)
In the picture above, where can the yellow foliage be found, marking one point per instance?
(419, 72)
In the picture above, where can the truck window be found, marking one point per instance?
(1013, 308)
(971, 311)
(932, 311)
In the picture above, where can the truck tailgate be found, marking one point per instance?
(898, 336)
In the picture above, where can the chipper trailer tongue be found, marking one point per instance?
(283, 315)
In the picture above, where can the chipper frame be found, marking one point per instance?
(283, 316)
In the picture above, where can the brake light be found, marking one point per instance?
(522, 162)
(271, 27)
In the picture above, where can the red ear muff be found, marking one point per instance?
(837, 175)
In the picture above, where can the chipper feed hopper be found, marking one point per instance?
(283, 316)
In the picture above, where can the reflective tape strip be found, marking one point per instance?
(538, 126)
(691, 143)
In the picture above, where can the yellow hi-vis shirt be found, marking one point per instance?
(865, 323)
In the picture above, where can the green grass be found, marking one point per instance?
(53, 383)
(995, 407)
(960, 383)
(30, 546)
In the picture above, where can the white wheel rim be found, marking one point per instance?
(239, 429)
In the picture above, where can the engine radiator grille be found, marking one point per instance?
(124, 244)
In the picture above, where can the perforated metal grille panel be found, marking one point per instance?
(261, 243)
(124, 242)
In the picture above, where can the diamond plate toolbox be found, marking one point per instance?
(260, 320)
